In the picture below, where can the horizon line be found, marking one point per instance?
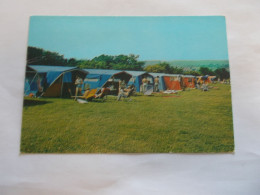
(127, 55)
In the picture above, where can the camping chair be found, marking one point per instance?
(204, 87)
(103, 94)
(89, 96)
(125, 94)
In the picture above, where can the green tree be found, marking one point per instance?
(176, 70)
(192, 72)
(206, 71)
(222, 73)
(38, 56)
(155, 68)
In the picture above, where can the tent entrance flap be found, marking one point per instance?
(113, 82)
(55, 89)
(123, 76)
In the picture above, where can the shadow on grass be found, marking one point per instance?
(35, 102)
(98, 101)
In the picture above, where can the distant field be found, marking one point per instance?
(193, 64)
(191, 121)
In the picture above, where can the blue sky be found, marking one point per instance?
(153, 38)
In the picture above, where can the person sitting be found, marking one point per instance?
(125, 93)
(86, 93)
(204, 87)
(104, 92)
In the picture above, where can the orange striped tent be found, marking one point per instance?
(204, 79)
(188, 81)
(172, 81)
(212, 78)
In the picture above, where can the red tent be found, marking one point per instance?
(172, 81)
(188, 81)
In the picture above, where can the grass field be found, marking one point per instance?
(191, 121)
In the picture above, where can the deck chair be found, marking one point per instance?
(89, 96)
(125, 94)
(102, 95)
(204, 87)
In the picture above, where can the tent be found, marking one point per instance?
(212, 79)
(162, 86)
(203, 79)
(51, 81)
(30, 85)
(188, 81)
(173, 81)
(137, 77)
(98, 78)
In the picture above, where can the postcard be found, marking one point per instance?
(127, 85)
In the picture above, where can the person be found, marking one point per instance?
(104, 91)
(144, 84)
(40, 88)
(204, 86)
(122, 84)
(125, 92)
(86, 93)
(196, 83)
(156, 84)
(78, 84)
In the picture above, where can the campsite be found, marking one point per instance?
(186, 121)
(127, 85)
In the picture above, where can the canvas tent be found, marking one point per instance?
(162, 86)
(212, 79)
(203, 79)
(188, 81)
(137, 77)
(98, 78)
(55, 81)
(173, 81)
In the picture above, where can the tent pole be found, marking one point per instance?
(31, 81)
(61, 85)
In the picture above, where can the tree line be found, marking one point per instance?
(38, 56)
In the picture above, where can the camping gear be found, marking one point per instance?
(82, 101)
(91, 94)
(149, 90)
(125, 94)
(170, 91)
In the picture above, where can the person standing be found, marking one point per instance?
(78, 84)
(39, 86)
(144, 84)
(196, 83)
(156, 84)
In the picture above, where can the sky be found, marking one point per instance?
(152, 38)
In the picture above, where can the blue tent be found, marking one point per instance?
(98, 78)
(162, 86)
(137, 77)
(53, 79)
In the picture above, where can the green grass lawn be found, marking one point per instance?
(191, 121)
